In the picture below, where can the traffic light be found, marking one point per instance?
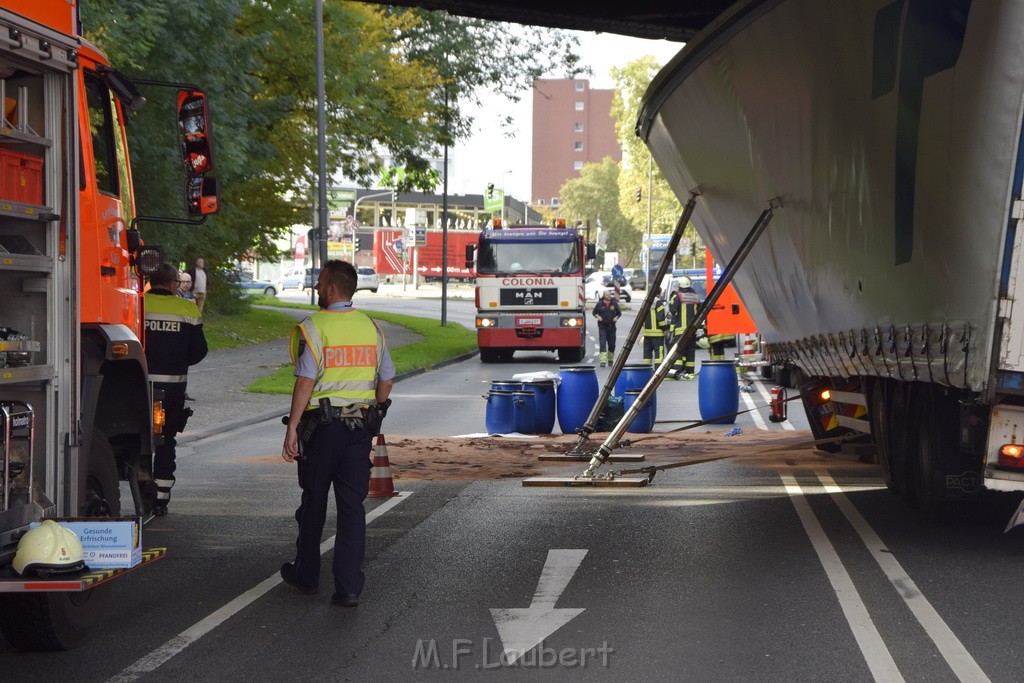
(358, 242)
(490, 190)
(394, 194)
(639, 193)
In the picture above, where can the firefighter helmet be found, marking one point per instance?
(48, 549)
(684, 283)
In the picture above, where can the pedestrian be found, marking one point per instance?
(683, 309)
(607, 313)
(185, 287)
(174, 341)
(343, 375)
(655, 327)
(200, 282)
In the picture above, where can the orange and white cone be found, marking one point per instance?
(748, 347)
(381, 483)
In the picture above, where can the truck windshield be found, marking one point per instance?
(504, 257)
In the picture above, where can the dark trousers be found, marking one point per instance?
(654, 348)
(339, 458)
(165, 455)
(606, 338)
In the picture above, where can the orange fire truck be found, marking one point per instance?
(77, 412)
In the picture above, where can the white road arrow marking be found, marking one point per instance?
(523, 629)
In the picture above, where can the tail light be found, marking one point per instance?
(159, 417)
(1011, 455)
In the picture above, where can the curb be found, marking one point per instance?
(281, 412)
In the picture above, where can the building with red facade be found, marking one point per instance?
(572, 126)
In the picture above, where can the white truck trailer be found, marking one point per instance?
(890, 133)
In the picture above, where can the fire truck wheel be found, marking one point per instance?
(60, 621)
(490, 355)
(571, 355)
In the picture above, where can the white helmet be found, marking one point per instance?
(684, 283)
(49, 549)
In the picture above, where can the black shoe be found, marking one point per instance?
(345, 599)
(159, 510)
(189, 398)
(288, 576)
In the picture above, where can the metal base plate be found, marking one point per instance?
(614, 457)
(586, 481)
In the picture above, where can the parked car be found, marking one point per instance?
(251, 287)
(599, 281)
(635, 278)
(299, 278)
(367, 279)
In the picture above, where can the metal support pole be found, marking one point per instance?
(688, 334)
(321, 134)
(638, 323)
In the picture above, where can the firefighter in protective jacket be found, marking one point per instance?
(174, 341)
(683, 309)
(655, 327)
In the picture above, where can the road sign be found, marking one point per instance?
(399, 246)
(494, 199)
(617, 271)
(421, 236)
(339, 201)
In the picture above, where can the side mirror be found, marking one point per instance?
(201, 196)
(470, 255)
(194, 132)
(591, 251)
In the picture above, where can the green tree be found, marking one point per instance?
(594, 196)
(638, 171)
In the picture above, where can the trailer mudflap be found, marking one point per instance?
(77, 583)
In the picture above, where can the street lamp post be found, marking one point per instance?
(355, 215)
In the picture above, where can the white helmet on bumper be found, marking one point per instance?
(48, 549)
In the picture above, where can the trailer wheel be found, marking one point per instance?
(882, 432)
(490, 355)
(60, 621)
(899, 444)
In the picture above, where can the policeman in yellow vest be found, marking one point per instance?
(655, 326)
(343, 371)
(174, 341)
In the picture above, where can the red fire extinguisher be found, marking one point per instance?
(778, 404)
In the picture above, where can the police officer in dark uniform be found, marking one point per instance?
(174, 341)
(343, 375)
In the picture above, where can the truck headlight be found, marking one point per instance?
(576, 321)
(486, 322)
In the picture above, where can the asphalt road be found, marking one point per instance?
(714, 572)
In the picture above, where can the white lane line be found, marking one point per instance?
(876, 654)
(950, 647)
(193, 633)
(755, 414)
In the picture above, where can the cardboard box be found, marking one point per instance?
(108, 543)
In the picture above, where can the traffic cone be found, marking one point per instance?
(748, 347)
(381, 483)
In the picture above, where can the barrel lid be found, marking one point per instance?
(636, 390)
(576, 368)
(538, 381)
(503, 392)
(718, 362)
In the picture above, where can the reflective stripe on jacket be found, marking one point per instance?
(347, 347)
(174, 336)
(655, 324)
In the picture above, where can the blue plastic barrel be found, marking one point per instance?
(522, 411)
(506, 385)
(718, 391)
(543, 404)
(498, 418)
(577, 394)
(636, 376)
(644, 421)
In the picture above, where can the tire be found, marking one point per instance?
(923, 454)
(61, 621)
(270, 291)
(899, 444)
(374, 290)
(881, 430)
(571, 355)
(490, 355)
